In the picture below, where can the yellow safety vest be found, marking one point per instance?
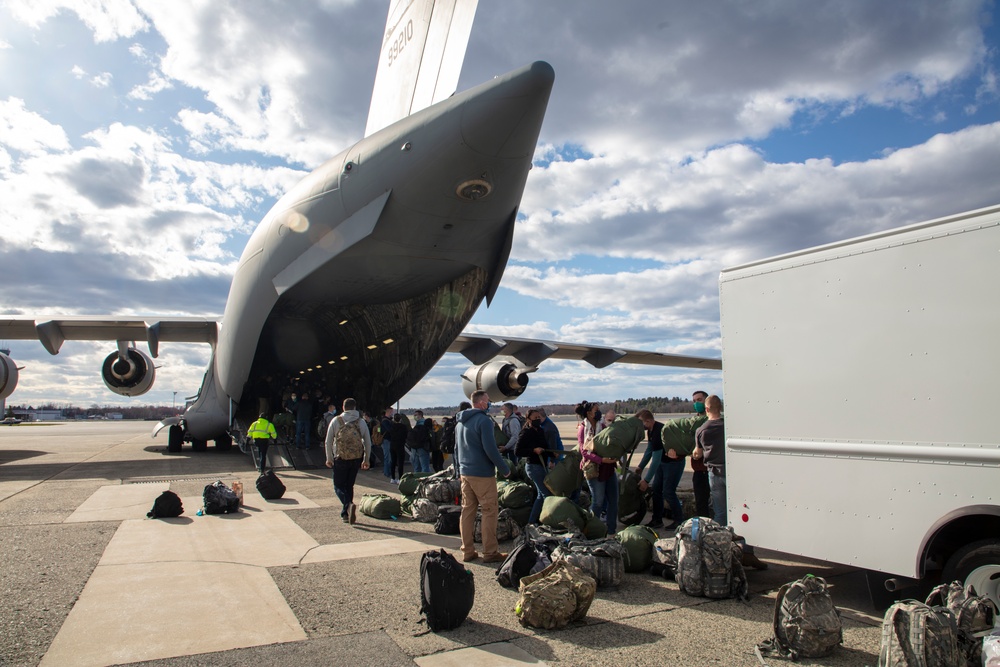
(262, 429)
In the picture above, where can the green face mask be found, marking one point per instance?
(699, 406)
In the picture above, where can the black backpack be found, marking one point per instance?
(449, 520)
(269, 486)
(448, 436)
(220, 499)
(447, 590)
(418, 437)
(527, 557)
(167, 505)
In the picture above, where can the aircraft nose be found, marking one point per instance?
(504, 116)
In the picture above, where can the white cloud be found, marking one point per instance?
(109, 19)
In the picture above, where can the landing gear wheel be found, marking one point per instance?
(978, 565)
(199, 445)
(175, 438)
(224, 442)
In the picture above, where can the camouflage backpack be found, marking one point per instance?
(806, 622)
(914, 633)
(350, 443)
(709, 562)
(974, 614)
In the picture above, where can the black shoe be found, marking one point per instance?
(674, 526)
(653, 524)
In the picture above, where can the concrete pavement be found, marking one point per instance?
(89, 581)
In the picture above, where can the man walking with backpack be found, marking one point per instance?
(348, 448)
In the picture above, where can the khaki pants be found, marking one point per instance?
(479, 492)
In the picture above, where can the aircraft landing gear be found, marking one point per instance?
(224, 442)
(199, 445)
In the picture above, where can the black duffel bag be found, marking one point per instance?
(269, 486)
(449, 520)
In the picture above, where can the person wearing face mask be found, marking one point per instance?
(531, 446)
(699, 476)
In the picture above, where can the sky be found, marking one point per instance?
(142, 141)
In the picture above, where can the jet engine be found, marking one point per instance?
(503, 379)
(128, 373)
(8, 376)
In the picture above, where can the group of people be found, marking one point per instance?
(423, 440)
(471, 435)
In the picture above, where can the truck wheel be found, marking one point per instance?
(978, 565)
(175, 438)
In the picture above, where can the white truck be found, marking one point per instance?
(862, 402)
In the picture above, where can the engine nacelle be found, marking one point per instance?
(8, 376)
(132, 376)
(501, 379)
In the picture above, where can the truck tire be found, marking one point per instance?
(977, 564)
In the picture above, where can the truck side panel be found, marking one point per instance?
(861, 384)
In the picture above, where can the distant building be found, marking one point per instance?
(45, 415)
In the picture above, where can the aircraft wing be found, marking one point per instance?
(53, 333)
(480, 348)
(421, 59)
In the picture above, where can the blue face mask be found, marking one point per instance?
(699, 406)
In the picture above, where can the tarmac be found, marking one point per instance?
(88, 580)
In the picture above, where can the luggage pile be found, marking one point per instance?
(220, 499)
(424, 493)
(517, 497)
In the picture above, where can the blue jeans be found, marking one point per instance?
(421, 460)
(601, 492)
(665, 483)
(302, 433)
(386, 459)
(717, 480)
(536, 473)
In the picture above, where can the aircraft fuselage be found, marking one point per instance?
(364, 273)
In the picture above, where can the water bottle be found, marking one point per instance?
(695, 525)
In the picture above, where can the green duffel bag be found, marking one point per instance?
(631, 501)
(638, 542)
(380, 506)
(565, 477)
(516, 494)
(560, 512)
(409, 481)
(620, 438)
(595, 528)
(520, 515)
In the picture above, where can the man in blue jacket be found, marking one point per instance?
(477, 459)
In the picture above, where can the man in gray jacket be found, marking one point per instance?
(348, 448)
(478, 459)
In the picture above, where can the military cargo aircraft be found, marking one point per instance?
(367, 271)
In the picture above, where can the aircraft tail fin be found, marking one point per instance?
(421, 58)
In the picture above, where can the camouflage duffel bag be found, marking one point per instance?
(604, 560)
(440, 490)
(423, 510)
(554, 597)
(507, 527)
